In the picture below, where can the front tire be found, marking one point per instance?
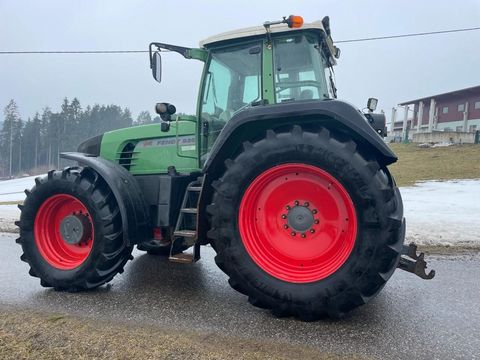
(71, 231)
(306, 224)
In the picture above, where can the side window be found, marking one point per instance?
(308, 92)
(298, 69)
(232, 81)
(283, 93)
(251, 91)
(215, 98)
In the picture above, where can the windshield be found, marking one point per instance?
(299, 69)
(232, 82)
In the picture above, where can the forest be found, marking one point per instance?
(32, 146)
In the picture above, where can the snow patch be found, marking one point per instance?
(443, 212)
(13, 190)
(8, 215)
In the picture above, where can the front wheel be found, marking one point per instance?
(71, 231)
(306, 224)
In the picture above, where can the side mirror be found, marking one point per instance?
(372, 104)
(156, 66)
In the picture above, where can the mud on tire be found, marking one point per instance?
(379, 236)
(108, 253)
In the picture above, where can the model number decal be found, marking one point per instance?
(161, 142)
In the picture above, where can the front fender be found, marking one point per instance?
(132, 206)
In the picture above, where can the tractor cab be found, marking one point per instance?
(279, 62)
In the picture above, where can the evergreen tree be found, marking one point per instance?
(28, 145)
(10, 139)
(126, 118)
(144, 118)
(45, 144)
(37, 143)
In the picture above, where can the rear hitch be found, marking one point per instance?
(417, 265)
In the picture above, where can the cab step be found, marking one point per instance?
(182, 231)
(182, 258)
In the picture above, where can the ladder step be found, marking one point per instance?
(182, 258)
(194, 188)
(189, 210)
(185, 233)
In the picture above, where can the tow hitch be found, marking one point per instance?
(417, 265)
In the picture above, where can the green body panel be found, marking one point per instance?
(155, 150)
(268, 92)
(198, 54)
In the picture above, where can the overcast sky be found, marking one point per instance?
(391, 70)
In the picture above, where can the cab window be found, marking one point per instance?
(299, 69)
(232, 82)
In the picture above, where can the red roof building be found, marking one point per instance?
(452, 111)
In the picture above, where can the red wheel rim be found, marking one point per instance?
(48, 237)
(281, 244)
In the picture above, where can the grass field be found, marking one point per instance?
(441, 163)
(25, 334)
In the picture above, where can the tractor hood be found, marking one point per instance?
(146, 149)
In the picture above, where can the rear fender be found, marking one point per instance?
(332, 114)
(132, 206)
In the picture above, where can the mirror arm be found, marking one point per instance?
(184, 51)
(187, 53)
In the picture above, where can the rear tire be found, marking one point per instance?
(100, 254)
(329, 272)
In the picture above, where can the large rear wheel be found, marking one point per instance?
(71, 231)
(306, 224)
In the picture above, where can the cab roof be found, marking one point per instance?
(258, 31)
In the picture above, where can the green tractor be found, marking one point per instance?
(289, 185)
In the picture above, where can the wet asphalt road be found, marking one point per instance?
(410, 319)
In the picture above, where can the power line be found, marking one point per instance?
(76, 52)
(407, 35)
(146, 51)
